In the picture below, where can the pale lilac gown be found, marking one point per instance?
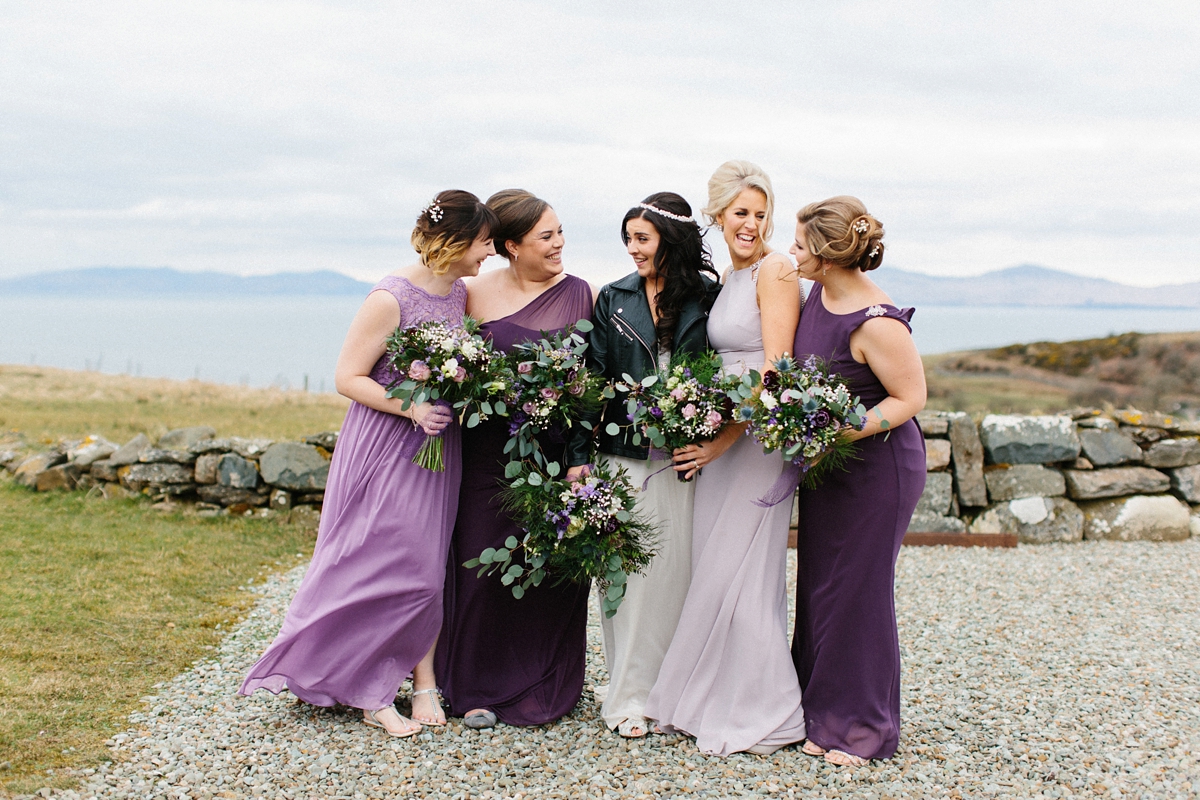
(728, 677)
(370, 605)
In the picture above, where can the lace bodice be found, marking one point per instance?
(418, 306)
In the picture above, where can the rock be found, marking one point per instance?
(327, 440)
(937, 454)
(183, 438)
(206, 467)
(104, 470)
(935, 499)
(158, 455)
(1099, 423)
(934, 424)
(230, 496)
(26, 473)
(139, 476)
(237, 472)
(281, 500)
(1010, 439)
(1173, 453)
(91, 449)
(1083, 413)
(967, 460)
(929, 522)
(1107, 448)
(1082, 463)
(63, 476)
(1156, 518)
(309, 498)
(1148, 419)
(114, 491)
(10, 458)
(292, 465)
(305, 516)
(1023, 480)
(1194, 527)
(1035, 520)
(129, 452)
(246, 448)
(1185, 483)
(1114, 482)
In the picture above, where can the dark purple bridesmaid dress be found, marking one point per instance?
(523, 659)
(845, 647)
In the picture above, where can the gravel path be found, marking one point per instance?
(1052, 671)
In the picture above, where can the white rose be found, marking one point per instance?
(768, 400)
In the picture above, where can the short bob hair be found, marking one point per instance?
(841, 232)
(517, 212)
(447, 226)
(730, 180)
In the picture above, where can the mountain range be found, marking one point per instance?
(1026, 285)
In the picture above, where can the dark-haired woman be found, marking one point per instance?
(641, 320)
(845, 647)
(368, 611)
(501, 659)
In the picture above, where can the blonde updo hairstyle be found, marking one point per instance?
(729, 181)
(840, 232)
(448, 226)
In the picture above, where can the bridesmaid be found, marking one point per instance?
(727, 678)
(846, 647)
(369, 608)
(517, 661)
(641, 320)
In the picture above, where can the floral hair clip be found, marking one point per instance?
(434, 210)
(667, 214)
(861, 226)
(874, 252)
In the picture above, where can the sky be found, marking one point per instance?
(259, 137)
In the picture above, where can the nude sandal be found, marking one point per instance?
(370, 718)
(435, 695)
(629, 725)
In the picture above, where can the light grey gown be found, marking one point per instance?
(728, 677)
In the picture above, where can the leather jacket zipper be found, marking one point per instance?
(621, 325)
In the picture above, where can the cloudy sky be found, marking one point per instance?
(257, 137)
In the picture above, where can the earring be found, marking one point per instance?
(826, 272)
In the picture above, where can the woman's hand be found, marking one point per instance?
(694, 457)
(432, 417)
(575, 474)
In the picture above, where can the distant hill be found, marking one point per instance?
(1030, 285)
(162, 281)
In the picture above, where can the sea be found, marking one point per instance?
(293, 342)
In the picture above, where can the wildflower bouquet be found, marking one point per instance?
(805, 412)
(574, 531)
(684, 404)
(452, 364)
(551, 388)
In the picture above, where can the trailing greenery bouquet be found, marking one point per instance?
(804, 411)
(552, 388)
(688, 402)
(451, 364)
(574, 531)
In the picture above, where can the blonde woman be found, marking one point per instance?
(369, 609)
(728, 678)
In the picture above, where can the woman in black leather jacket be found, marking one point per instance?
(640, 321)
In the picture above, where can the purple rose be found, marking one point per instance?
(656, 412)
(688, 411)
(460, 375)
(550, 394)
(713, 419)
(529, 408)
(821, 419)
(419, 371)
(525, 367)
(576, 389)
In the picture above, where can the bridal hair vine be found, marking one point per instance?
(861, 225)
(434, 210)
(667, 214)
(874, 252)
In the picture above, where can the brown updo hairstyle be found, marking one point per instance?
(517, 212)
(448, 226)
(841, 233)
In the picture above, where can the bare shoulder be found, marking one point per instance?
(777, 266)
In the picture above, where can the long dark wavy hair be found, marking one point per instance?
(682, 255)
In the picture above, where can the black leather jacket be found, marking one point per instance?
(623, 342)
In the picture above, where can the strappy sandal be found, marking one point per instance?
(633, 727)
(370, 718)
(811, 748)
(435, 695)
(851, 760)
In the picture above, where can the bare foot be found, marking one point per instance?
(430, 708)
(811, 748)
(391, 721)
(843, 759)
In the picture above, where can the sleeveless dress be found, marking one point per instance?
(370, 606)
(727, 678)
(522, 659)
(846, 648)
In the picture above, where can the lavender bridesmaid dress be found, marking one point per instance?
(846, 648)
(727, 678)
(370, 605)
(523, 659)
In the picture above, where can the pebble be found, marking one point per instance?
(1047, 671)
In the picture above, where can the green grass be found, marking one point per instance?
(99, 601)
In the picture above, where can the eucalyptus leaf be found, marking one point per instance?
(552, 469)
(584, 325)
(507, 579)
(615, 591)
(612, 429)
(518, 592)
(472, 564)
(487, 556)
(511, 543)
(512, 469)
(535, 479)
(473, 420)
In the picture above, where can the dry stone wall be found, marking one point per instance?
(1063, 477)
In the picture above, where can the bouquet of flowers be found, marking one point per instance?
(686, 403)
(438, 362)
(551, 388)
(574, 531)
(804, 411)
